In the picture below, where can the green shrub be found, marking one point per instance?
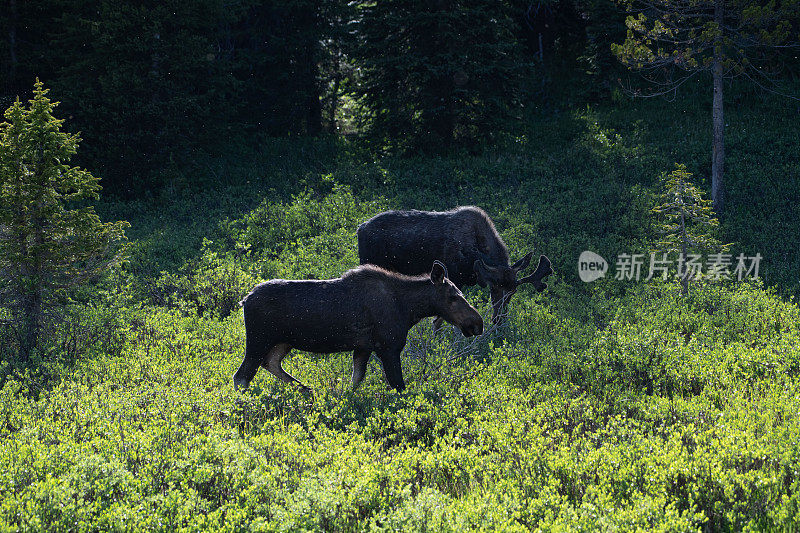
(607, 406)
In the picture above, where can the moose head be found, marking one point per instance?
(451, 305)
(503, 282)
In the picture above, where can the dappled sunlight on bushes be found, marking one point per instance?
(663, 417)
(607, 406)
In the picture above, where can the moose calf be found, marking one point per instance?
(367, 310)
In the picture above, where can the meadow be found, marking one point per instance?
(612, 406)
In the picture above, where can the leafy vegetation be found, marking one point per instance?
(602, 406)
(246, 140)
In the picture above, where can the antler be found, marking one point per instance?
(542, 271)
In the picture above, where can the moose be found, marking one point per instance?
(464, 239)
(367, 310)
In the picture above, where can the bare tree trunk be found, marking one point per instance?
(27, 311)
(334, 104)
(718, 152)
(32, 312)
(684, 248)
(541, 49)
(334, 96)
(313, 105)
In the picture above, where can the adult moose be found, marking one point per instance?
(367, 310)
(464, 239)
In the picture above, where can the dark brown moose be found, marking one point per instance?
(464, 239)
(367, 310)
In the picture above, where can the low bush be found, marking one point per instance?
(603, 406)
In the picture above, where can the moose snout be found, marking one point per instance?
(473, 327)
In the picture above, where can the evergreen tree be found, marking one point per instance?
(573, 38)
(50, 240)
(150, 82)
(438, 72)
(147, 81)
(285, 54)
(604, 25)
(687, 222)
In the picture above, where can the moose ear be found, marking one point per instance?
(522, 264)
(486, 275)
(438, 272)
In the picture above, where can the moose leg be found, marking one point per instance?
(272, 362)
(255, 347)
(393, 369)
(437, 323)
(360, 360)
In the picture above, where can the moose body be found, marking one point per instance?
(464, 239)
(367, 310)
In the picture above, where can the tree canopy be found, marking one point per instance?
(153, 85)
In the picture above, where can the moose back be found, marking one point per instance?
(464, 239)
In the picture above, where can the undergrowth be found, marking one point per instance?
(603, 406)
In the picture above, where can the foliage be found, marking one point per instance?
(687, 221)
(156, 86)
(152, 85)
(633, 425)
(49, 242)
(288, 61)
(604, 27)
(214, 284)
(145, 81)
(670, 40)
(436, 74)
(739, 38)
(603, 406)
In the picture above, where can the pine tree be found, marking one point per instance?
(50, 240)
(146, 81)
(438, 73)
(671, 41)
(287, 51)
(687, 221)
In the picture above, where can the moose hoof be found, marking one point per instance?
(240, 384)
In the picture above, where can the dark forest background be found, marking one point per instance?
(178, 99)
(151, 84)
